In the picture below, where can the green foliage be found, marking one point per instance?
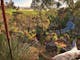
(2, 37)
(24, 20)
(42, 4)
(4, 51)
(77, 4)
(52, 13)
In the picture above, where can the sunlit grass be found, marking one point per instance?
(24, 11)
(9, 11)
(29, 12)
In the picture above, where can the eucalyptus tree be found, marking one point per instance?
(74, 7)
(10, 4)
(42, 4)
(72, 4)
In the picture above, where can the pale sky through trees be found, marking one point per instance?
(21, 3)
(25, 3)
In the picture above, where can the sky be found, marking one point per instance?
(21, 3)
(26, 3)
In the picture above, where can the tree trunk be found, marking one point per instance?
(6, 27)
